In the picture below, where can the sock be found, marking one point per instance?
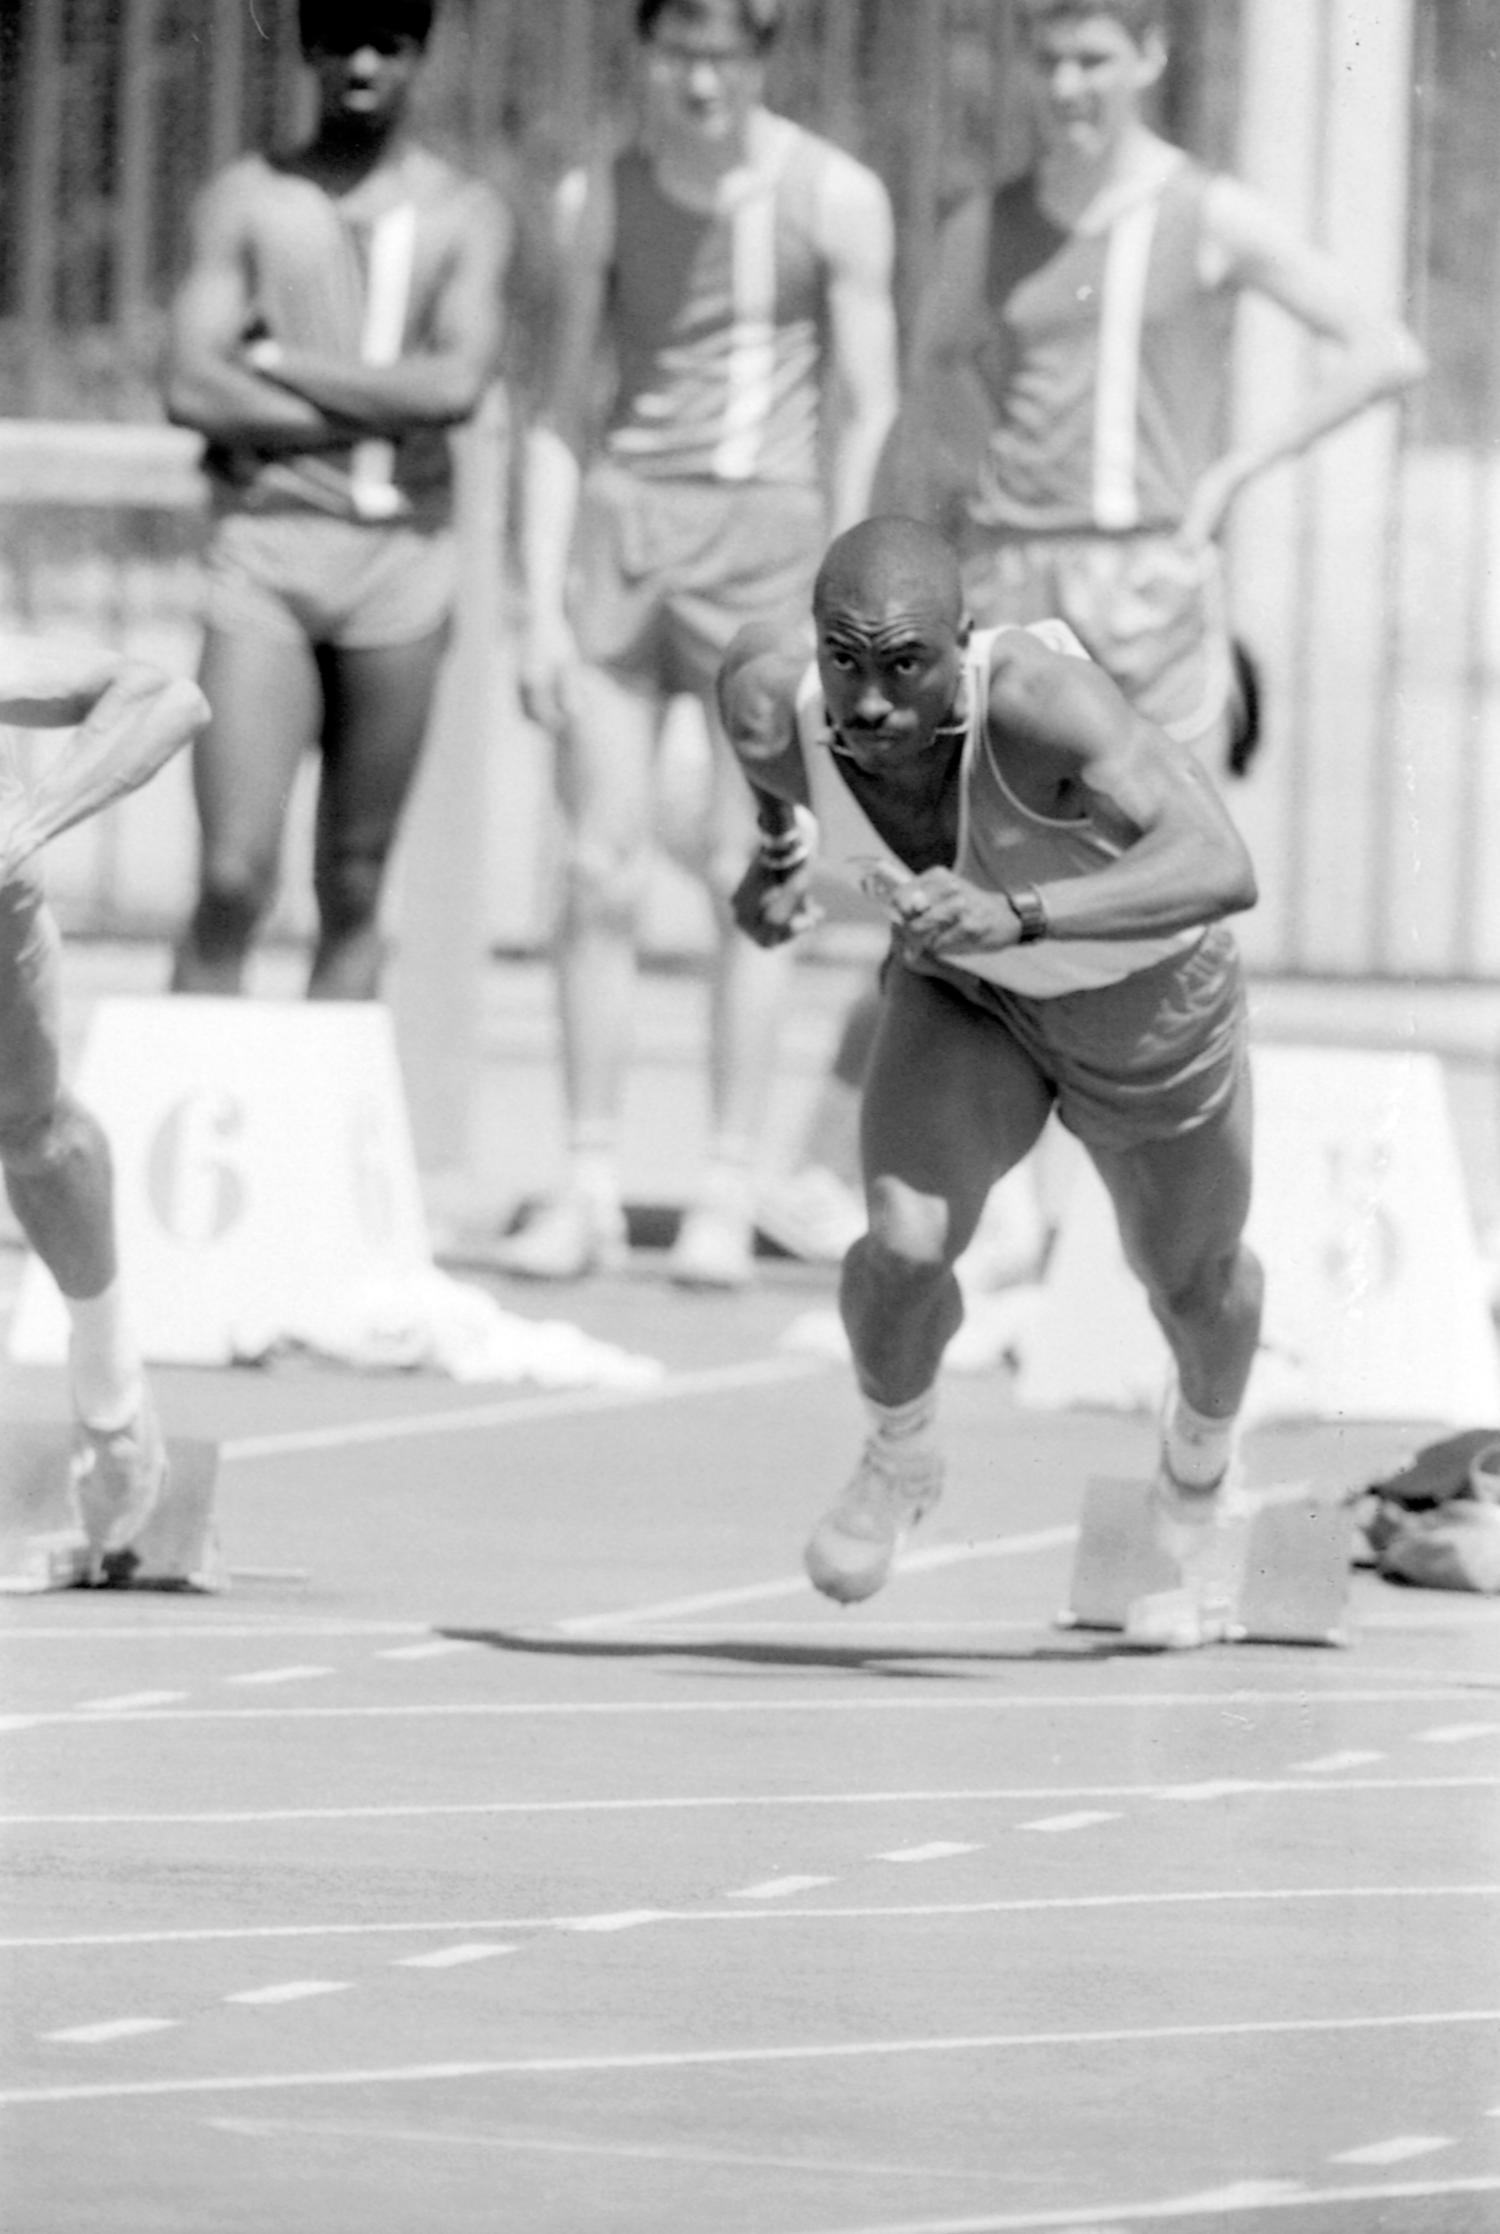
(594, 1174)
(909, 1428)
(104, 1362)
(725, 1184)
(1197, 1446)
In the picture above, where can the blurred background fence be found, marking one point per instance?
(1367, 579)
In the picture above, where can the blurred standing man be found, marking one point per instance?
(737, 266)
(130, 719)
(1077, 328)
(341, 313)
(1056, 875)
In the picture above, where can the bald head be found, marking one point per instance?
(886, 563)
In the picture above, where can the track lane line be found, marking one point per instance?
(708, 2059)
(1048, 1702)
(870, 1912)
(521, 1410)
(709, 1802)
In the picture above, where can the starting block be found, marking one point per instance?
(42, 1546)
(1294, 1569)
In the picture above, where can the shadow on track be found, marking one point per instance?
(908, 1663)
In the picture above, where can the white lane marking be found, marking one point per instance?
(707, 1802)
(561, 1404)
(1244, 2196)
(778, 1888)
(1458, 1733)
(936, 1850)
(1021, 1905)
(114, 2028)
(78, 1632)
(291, 1674)
(291, 1989)
(1327, 1764)
(447, 2137)
(793, 2052)
(1400, 2149)
(125, 1699)
(450, 1958)
(18, 1721)
(1047, 1702)
(620, 1919)
(1081, 1819)
(797, 1586)
(437, 1648)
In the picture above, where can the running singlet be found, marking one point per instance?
(1105, 361)
(1000, 842)
(718, 321)
(360, 291)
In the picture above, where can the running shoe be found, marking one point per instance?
(851, 1551)
(117, 1476)
(1203, 1532)
(811, 1214)
(565, 1237)
(715, 1248)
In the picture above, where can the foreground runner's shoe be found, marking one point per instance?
(117, 1477)
(1203, 1531)
(565, 1238)
(715, 1248)
(850, 1553)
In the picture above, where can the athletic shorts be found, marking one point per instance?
(665, 573)
(30, 1004)
(309, 578)
(1150, 613)
(1153, 1056)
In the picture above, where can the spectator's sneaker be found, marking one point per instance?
(811, 1214)
(117, 1477)
(565, 1237)
(715, 1248)
(1203, 1532)
(850, 1553)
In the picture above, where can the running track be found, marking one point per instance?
(550, 1859)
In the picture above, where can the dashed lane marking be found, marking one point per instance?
(1400, 2149)
(936, 1850)
(1457, 1733)
(437, 1648)
(1081, 1819)
(1328, 1764)
(297, 1674)
(112, 2028)
(1133, 2037)
(291, 1989)
(868, 1912)
(122, 1700)
(779, 1888)
(709, 1802)
(452, 1958)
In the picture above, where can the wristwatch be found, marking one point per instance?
(1026, 905)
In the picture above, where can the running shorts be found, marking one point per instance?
(309, 578)
(30, 1005)
(665, 573)
(1150, 1057)
(1151, 613)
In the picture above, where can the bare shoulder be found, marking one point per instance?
(758, 683)
(234, 196)
(460, 199)
(851, 201)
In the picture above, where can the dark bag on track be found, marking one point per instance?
(1436, 1524)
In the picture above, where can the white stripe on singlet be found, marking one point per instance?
(393, 248)
(1122, 316)
(750, 368)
